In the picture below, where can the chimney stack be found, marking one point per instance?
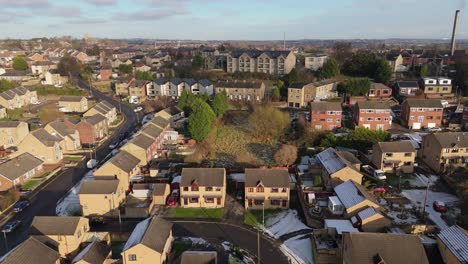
(455, 21)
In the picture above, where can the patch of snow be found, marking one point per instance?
(301, 249)
(410, 220)
(226, 245)
(196, 240)
(70, 203)
(421, 180)
(302, 168)
(417, 198)
(237, 177)
(283, 223)
(176, 179)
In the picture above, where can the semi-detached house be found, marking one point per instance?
(267, 188)
(43, 145)
(203, 187)
(16, 171)
(121, 166)
(12, 133)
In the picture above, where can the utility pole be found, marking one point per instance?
(425, 197)
(90, 86)
(284, 40)
(258, 247)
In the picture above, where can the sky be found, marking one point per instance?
(233, 20)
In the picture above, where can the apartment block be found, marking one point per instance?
(269, 62)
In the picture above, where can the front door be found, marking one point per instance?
(218, 201)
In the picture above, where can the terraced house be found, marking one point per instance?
(70, 136)
(246, 91)
(12, 133)
(203, 187)
(270, 62)
(104, 108)
(43, 145)
(422, 113)
(373, 115)
(266, 188)
(174, 87)
(445, 151)
(18, 97)
(122, 167)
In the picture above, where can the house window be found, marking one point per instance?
(194, 188)
(218, 189)
(209, 189)
(186, 189)
(250, 190)
(388, 154)
(274, 190)
(407, 154)
(209, 200)
(284, 203)
(454, 150)
(260, 189)
(275, 202)
(193, 200)
(132, 257)
(407, 163)
(258, 202)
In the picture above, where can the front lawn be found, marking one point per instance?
(73, 158)
(254, 217)
(31, 184)
(197, 213)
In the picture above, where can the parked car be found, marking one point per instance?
(175, 193)
(91, 164)
(440, 206)
(378, 174)
(11, 226)
(24, 192)
(434, 129)
(240, 195)
(20, 206)
(114, 144)
(379, 190)
(171, 201)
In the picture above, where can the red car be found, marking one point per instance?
(379, 190)
(440, 206)
(171, 201)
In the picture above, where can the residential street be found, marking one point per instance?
(44, 200)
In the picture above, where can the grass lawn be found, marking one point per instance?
(254, 217)
(197, 213)
(179, 246)
(73, 158)
(31, 184)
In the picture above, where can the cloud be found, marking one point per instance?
(25, 3)
(101, 2)
(151, 14)
(63, 11)
(85, 21)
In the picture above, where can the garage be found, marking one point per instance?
(431, 125)
(416, 125)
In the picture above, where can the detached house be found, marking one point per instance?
(379, 91)
(373, 115)
(325, 115)
(104, 108)
(247, 91)
(70, 137)
(73, 104)
(422, 113)
(355, 198)
(16, 171)
(64, 233)
(149, 243)
(12, 133)
(445, 151)
(121, 166)
(31, 251)
(266, 188)
(394, 156)
(203, 187)
(338, 167)
(101, 197)
(43, 145)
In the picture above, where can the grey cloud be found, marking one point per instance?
(151, 14)
(25, 3)
(63, 11)
(101, 2)
(85, 21)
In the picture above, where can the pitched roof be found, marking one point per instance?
(45, 137)
(159, 188)
(373, 105)
(199, 257)
(351, 193)
(103, 107)
(173, 110)
(160, 81)
(408, 84)
(96, 252)
(240, 84)
(297, 85)
(203, 176)
(456, 240)
(71, 98)
(31, 251)
(55, 225)
(379, 86)
(396, 146)
(94, 119)
(152, 131)
(268, 177)
(10, 124)
(125, 161)
(334, 161)
(450, 139)
(159, 122)
(60, 127)
(18, 166)
(365, 248)
(431, 103)
(325, 106)
(257, 53)
(143, 141)
(152, 232)
(204, 82)
(366, 213)
(99, 186)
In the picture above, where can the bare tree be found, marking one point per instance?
(286, 155)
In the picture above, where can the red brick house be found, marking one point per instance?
(325, 115)
(420, 113)
(106, 73)
(92, 129)
(373, 115)
(379, 91)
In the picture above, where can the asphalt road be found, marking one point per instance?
(44, 201)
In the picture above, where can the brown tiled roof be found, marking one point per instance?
(430, 103)
(373, 105)
(379, 86)
(396, 146)
(450, 139)
(364, 248)
(99, 186)
(203, 176)
(18, 166)
(325, 106)
(268, 177)
(31, 251)
(54, 225)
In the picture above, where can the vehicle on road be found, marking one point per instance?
(20, 206)
(440, 206)
(138, 109)
(11, 226)
(378, 174)
(114, 144)
(171, 201)
(91, 163)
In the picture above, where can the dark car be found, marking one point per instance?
(20, 206)
(11, 226)
(240, 195)
(440, 207)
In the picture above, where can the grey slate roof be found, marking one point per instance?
(204, 82)
(430, 103)
(351, 193)
(160, 81)
(257, 53)
(396, 146)
(18, 166)
(450, 139)
(408, 84)
(373, 105)
(9, 124)
(45, 137)
(152, 131)
(99, 186)
(152, 232)
(125, 161)
(71, 98)
(159, 188)
(334, 161)
(456, 240)
(94, 119)
(368, 212)
(96, 252)
(31, 251)
(325, 106)
(268, 177)
(54, 225)
(203, 176)
(103, 107)
(143, 141)
(160, 122)
(239, 84)
(61, 128)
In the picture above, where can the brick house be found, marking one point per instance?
(16, 171)
(325, 115)
(105, 73)
(92, 129)
(406, 88)
(379, 91)
(445, 151)
(373, 115)
(421, 113)
(203, 187)
(268, 188)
